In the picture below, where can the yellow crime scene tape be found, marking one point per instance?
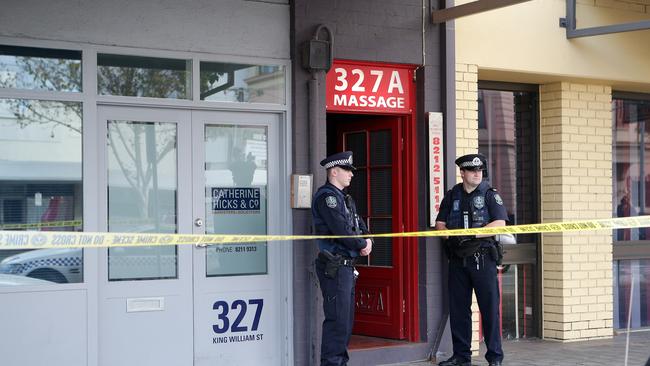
(61, 239)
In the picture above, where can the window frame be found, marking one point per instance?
(85, 99)
(530, 252)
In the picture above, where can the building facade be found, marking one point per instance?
(567, 114)
(152, 116)
(211, 118)
(194, 118)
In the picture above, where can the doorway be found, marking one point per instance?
(191, 172)
(379, 187)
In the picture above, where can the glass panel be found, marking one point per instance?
(382, 250)
(358, 190)
(632, 280)
(380, 147)
(136, 76)
(40, 69)
(40, 187)
(356, 142)
(224, 82)
(507, 122)
(236, 188)
(507, 130)
(142, 184)
(631, 164)
(517, 301)
(381, 197)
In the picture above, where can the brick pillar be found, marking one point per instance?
(466, 110)
(467, 143)
(576, 170)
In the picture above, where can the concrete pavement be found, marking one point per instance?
(584, 353)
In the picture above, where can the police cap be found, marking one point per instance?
(472, 162)
(342, 159)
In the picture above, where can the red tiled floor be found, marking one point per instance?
(363, 342)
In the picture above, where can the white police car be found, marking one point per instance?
(14, 280)
(63, 265)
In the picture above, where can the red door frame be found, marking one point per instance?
(409, 200)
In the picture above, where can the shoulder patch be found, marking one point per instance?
(331, 201)
(498, 199)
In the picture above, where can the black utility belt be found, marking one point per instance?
(495, 252)
(479, 250)
(336, 259)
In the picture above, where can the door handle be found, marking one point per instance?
(199, 223)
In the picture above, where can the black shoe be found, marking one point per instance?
(455, 362)
(495, 363)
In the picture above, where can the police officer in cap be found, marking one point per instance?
(472, 259)
(334, 213)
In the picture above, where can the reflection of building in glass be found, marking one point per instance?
(40, 162)
(266, 84)
(507, 121)
(631, 193)
(497, 141)
(227, 82)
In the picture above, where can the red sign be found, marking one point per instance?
(369, 88)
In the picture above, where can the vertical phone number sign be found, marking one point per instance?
(436, 169)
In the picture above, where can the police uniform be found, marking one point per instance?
(472, 264)
(334, 213)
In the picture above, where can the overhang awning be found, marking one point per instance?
(570, 24)
(475, 7)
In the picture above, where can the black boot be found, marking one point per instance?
(455, 362)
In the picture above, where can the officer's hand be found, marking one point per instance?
(365, 251)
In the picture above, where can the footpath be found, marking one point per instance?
(536, 352)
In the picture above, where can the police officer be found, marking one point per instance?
(334, 213)
(472, 259)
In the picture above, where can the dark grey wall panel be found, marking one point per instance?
(364, 30)
(234, 27)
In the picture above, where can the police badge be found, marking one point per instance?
(479, 202)
(498, 199)
(330, 201)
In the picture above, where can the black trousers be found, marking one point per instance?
(463, 278)
(338, 305)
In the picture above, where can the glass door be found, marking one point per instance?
(181, 172)
(239, 309)
(145, 293)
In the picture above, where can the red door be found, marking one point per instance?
(377, 190)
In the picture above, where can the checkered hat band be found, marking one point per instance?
(334, 163)
(469, 164)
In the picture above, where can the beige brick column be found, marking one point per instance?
(467, 143)
(466, 110)
(576, 181)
